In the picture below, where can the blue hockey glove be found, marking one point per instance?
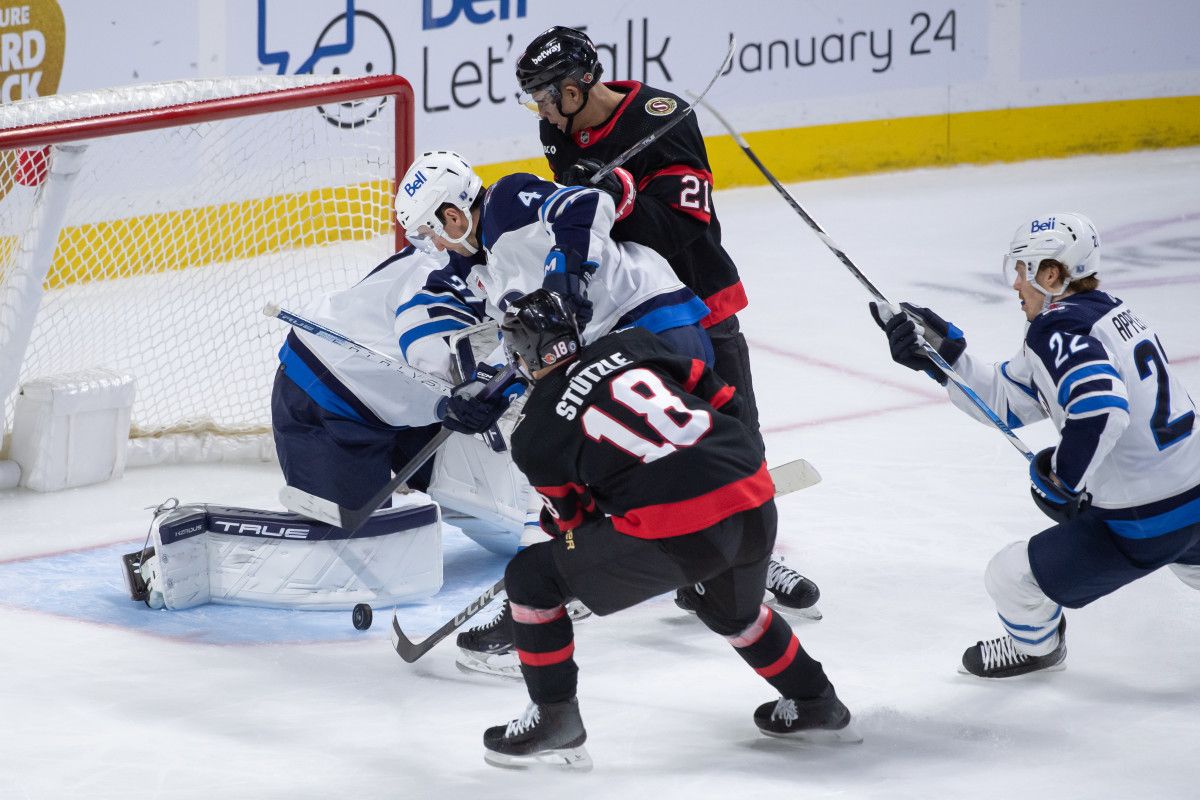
(1050, 495)
(902, 333)
(618, 184)
(468, 411)
(567, 275)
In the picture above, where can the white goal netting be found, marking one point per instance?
(153, 252)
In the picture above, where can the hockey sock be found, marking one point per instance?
(770, 647)
(542, 631)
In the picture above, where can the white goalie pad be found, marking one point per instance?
(470, 478)
(240, 556)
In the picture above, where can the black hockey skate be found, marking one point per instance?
(999, 657)
(788, 592)
(489, 647)
(815, 719)
(551, 734)
(793, 594)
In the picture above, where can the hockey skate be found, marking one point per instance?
(488, 648)
(788, 592)
(999, 657)
(791, 593)
(819, 719)
(551, 734)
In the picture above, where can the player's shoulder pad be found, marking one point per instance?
(651, 101)
(511, 203)
(633, 344)
(1061, 336)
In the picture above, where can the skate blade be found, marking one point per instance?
(504, 665)
(1059, 667)
(847, 735)
(575, 759)
(812, 613)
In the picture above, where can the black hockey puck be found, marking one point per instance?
(361, 616)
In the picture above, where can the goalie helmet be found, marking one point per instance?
(1068, 238)
(539, 328)
(436, 178)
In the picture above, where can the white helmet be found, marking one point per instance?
(1069, 239)
(436, 178)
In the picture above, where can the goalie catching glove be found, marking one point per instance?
(905, 331)
(618, 184)
(1050, 494)
(467, 411)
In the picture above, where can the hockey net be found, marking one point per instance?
(143, 228)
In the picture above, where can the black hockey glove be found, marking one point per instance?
(465, 411)
(567, 275)
(902, 333)
(618, 184)
(1050, 495)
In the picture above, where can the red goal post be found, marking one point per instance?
(143, 228)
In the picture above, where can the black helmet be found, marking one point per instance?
(556, 55)
(539, 328)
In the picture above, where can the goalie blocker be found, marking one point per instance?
(202, 553)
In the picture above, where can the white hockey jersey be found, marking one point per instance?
(523, 217)
(405, 308)
(1126, 421)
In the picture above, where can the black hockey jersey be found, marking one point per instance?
(647, 437)
(674, 213)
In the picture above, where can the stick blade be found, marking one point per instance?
(405, 648)
(794, 476)
(311, 506)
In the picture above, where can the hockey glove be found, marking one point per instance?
(567, 275)
(904, 332)
(466, 411)
(618, 184)
(1050, 495)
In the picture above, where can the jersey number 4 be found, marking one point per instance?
(644, 393)
(1167, 431)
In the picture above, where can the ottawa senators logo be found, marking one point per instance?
(660, 106)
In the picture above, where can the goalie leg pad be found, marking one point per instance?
(470, 478)
(238, 556)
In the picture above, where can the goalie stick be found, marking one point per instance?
(351, 519)
(654, 135)
(929, 350)
(431, 382)
(790, 477)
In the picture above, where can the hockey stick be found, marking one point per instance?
(410, 651)
(351, 519)
(790, 477)
(929, 350)
(653, 136)
(431, 382)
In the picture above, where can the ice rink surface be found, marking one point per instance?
(916, 498)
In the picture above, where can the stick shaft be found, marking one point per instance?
(928, 349)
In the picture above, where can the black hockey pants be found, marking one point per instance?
(723, 568)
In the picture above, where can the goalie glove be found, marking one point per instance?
(1050, 494)
(618, 184)
(907, 325)
(466, 411)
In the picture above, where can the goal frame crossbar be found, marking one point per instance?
(212, 110)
